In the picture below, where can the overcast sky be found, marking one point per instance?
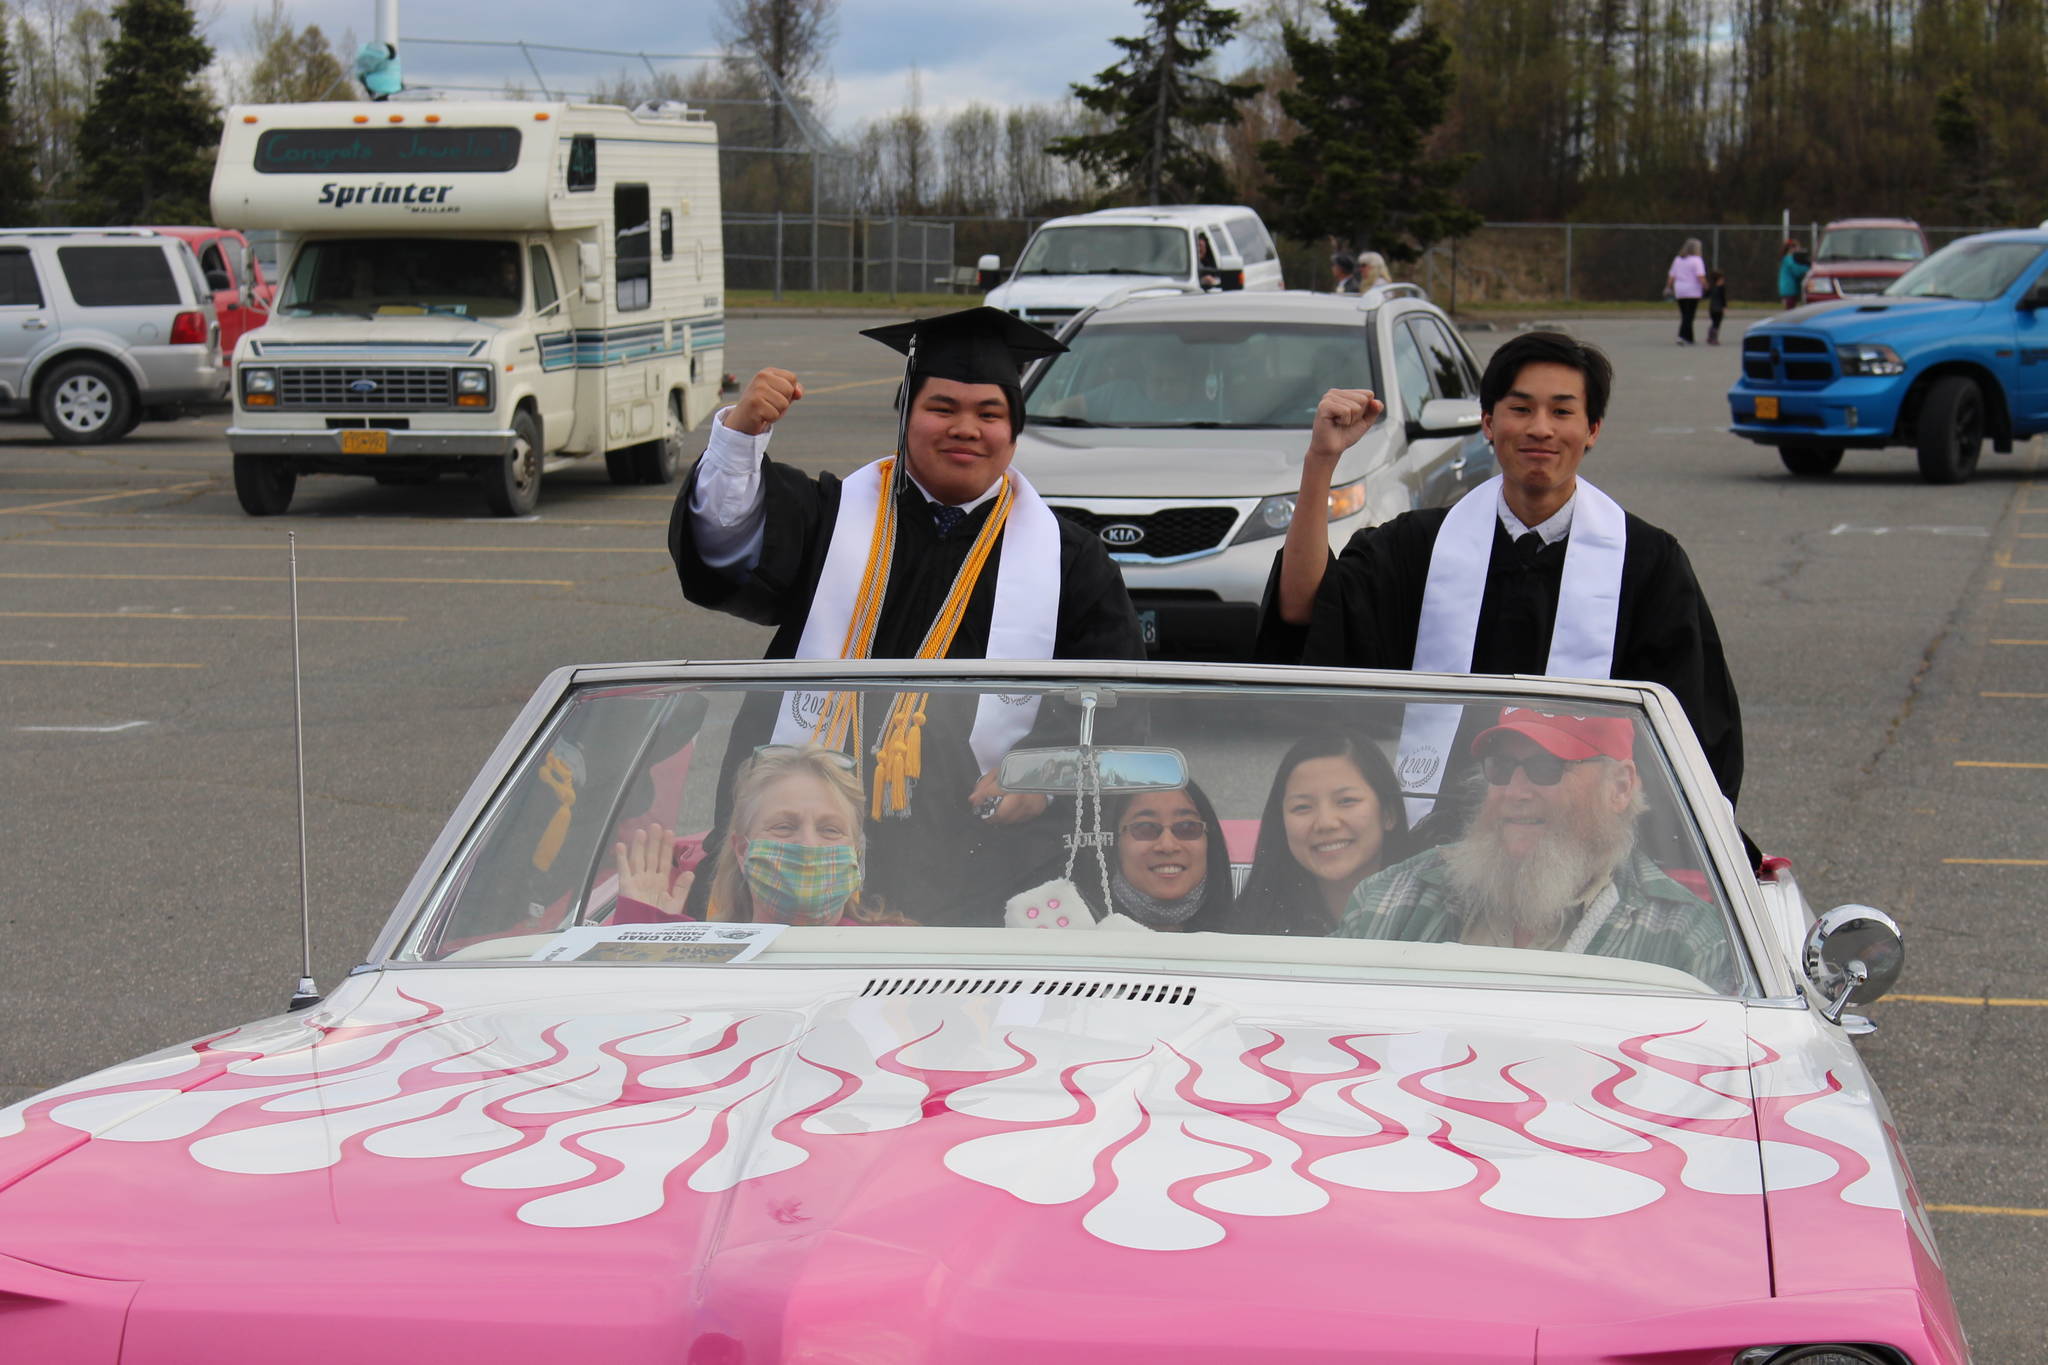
(995, 51)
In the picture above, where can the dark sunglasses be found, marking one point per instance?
(1187, 831)
(1545, 770)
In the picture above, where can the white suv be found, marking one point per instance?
(1075, 263)
(1174, 428)
(100, 327)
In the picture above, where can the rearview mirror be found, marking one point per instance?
(1448, 417)
(219, 281)
(591, 266)
(1852, 955)
(2035, 297)
(1058, 772)
(1230, 271)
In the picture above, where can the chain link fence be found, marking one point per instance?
(782, 252)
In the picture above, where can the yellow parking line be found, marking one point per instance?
(854, 384)
(2003, 559)
(105, 497)
(180, 616)
(2020, 642)
(313, 546)
(84, 663)
(303, 578)
(2017, 696)
(1987, 1208)
(1998, 862)
(2003, 1002)
(2026, 601)
(1993, 763)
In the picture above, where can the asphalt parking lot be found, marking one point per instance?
(1888, 638)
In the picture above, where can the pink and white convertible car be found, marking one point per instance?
(671, 1054)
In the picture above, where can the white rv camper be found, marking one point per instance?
(474, 286)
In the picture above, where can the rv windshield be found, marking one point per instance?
(399, 276)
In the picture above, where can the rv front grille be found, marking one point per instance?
(386, 388)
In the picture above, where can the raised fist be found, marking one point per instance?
(1342, 419)
(768, 395)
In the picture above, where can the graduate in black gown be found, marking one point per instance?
(1543, 398)
(756, 538)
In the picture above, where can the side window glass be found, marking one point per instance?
(121, 276)
(211, 260)
(1448, 371)
(238, 264)
(583, 162)
(1411, 373)
(544, 291)
(631, 247)
(18, 287)
(668, 235)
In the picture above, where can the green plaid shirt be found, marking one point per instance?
(1655, 920)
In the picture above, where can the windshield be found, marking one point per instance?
(1870, 244)
(1970, 269)
(1228, 374)
(1108, 249)
(1237, 829)
(396, 276)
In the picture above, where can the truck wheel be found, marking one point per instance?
(86, 402)
(1810, 462)
(621, 466)
(660, 460)
(264, 484)
(1951, 430)
(512, 483)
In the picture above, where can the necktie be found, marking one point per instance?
(946, 518)
(1530, 544)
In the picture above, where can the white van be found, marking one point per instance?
(474, 287)
(1074, 263)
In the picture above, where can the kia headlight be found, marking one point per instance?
(1867, 358)
(1274, 515)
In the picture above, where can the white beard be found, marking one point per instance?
(1527, 898)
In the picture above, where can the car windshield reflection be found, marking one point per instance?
(1200, 374)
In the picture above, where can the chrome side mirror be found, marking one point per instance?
(1448, 417)
(1852, 955)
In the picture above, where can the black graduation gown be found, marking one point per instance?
(942, 865)
(1369, 607)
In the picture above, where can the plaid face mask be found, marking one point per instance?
(801, 883)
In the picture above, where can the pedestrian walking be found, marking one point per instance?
(1793, 264)
(1686, 282)
(1717, 305)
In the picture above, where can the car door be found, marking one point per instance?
(25, 317)
(2028, 378)
(219, 264)
(555, 338)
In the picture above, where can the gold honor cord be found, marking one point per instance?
(899, 752)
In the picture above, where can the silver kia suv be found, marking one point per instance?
(101, 327)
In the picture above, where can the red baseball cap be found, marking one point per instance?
(1568, 737)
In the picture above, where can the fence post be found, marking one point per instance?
(1454, 277)
(778, 255)
(1716, 258)
(815, 211)
(1567, 262)
(895, 253)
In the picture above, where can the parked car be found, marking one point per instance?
(526, 1130)
(1176, 425)
(1076, 262)
(242, 290)
(103, 327)
(1947, 358)
(1860, 256)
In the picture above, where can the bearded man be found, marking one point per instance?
(1549, 861)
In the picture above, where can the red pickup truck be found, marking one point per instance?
(1862, 256)
(242, 297)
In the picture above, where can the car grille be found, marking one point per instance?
(1863, 284)
(1168, 534)
(384, 387)
(1787, 357)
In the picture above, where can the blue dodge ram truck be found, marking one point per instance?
(1952, 354)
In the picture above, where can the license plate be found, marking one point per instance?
(1766, 409)
(1148, 627)
(365, 442)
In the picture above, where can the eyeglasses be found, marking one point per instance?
(1545, 770)
(836, 757)
(1187, 831)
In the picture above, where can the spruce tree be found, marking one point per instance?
(1162, 111)
(17, 169)
(1367, 99)
(147, 145)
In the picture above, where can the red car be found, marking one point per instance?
(242, 297)
(1862, 256)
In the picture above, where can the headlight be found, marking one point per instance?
(1870, 359)
(472, 381)
(1274, 515)
(1812, 1355)
(259, 381)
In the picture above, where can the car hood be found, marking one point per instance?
(1878, 318)
(836, 1166)
(1180, 462)
(1066, 291)
(429, 336)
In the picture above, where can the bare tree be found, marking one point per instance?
(786, 46)
(291, 65)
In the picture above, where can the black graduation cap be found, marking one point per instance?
(974, 346)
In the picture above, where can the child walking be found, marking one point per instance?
(1717, 305)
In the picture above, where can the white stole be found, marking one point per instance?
(1023, 627)
(1581, 640)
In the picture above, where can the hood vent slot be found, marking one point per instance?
(1137, 992)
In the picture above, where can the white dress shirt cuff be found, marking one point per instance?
(729, 503)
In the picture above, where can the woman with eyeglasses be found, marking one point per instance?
(1334, 817)
(1172, 868)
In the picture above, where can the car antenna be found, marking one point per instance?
(306, 993)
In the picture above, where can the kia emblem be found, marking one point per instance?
(1122, 533)
(363, 386)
